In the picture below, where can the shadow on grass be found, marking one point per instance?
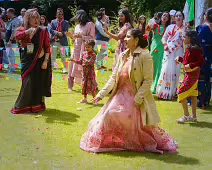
(206, 110)
(92, 105)
(202, 124)
(167, 158)
(164, 100)
(59, 116)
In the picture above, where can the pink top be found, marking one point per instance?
(122, 34)
(88, 33)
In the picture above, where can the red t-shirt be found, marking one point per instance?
(193, 57)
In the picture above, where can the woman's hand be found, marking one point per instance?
(177, 60)
(166, 48)
(78, 35)
(71, 59)
(69, 34)
(187, 67)
(31, 31)
(106, 28)
(96, 100)
(9, 44)
(44, 65)
(60, 34)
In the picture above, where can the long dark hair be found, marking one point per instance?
(82, 17)
(168, 22)
(127, 17)
(194, 39)
(46, 21)
(142, 41)
(209, 15)
(99, 15)
(143, 25)
(181, 13)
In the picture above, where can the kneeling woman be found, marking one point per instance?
(36, 68)
(128, 120)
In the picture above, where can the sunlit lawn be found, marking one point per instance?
(51, 142)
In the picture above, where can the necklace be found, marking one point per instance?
(159, 30)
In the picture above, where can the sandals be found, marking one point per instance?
(194, 119)
(186, 119)
(83, 101)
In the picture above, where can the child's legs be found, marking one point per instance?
(194, 105)
(93, 94)
(85, 96)
(185, 107)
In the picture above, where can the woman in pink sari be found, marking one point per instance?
(124, 23)
(84, 30)
(128, 120)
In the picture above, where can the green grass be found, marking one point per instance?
(51, 142)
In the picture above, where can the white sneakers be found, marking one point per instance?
(187, 119)
(64, 70)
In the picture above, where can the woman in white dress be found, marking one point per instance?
(173, 47)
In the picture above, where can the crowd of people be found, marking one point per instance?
(147, 61)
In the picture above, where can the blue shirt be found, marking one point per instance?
(11, 27)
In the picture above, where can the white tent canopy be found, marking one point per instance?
(200, 7)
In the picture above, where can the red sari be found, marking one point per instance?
(36, 82)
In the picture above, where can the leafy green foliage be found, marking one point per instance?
(43, 5)
(139, 7)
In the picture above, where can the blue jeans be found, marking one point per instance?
(5, 59)
(11, 57)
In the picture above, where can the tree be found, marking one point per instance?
(139, 7)
(49, 7)
(42, 5)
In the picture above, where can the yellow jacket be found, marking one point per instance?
(141, 76)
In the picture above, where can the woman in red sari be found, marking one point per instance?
(36, 68)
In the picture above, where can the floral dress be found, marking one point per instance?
(170, 72)
(89, 84)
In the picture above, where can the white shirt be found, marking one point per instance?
(21, 19)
